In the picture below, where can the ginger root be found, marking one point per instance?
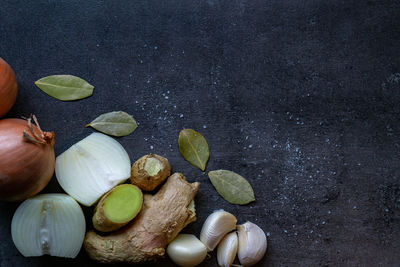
(150, 171)
(161, 219)
(117, 208)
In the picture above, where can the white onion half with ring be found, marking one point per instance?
(49, 224)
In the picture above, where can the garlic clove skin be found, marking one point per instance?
(216, 226)
(187, 250)
(252, 244)
(227, 250)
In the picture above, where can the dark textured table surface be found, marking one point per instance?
(300, 97)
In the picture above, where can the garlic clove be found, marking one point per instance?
(252, 243)
(187, 250)
(216, 226)
(227, 250)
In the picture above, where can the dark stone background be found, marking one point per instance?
(300, 97)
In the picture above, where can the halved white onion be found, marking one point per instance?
(91, 167)
(51, 224)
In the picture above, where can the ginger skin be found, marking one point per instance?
(145, 238)
(150, 171)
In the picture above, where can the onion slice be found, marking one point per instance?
(51, 224)
(91, 167)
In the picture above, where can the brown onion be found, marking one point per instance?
(8, 87)
(26, 158)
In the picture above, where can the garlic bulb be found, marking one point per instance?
(252, 243)
(186, 250)
(216, 226)
(91, 167)
(51, 224)
(227, 250)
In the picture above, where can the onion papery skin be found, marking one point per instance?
(8, 87)
(26, 167)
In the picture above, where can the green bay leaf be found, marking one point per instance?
(194, 148)
(232, 187)
(116, 123)
(65, 87)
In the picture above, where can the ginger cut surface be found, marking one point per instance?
(117, 208)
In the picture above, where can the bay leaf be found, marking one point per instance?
(194, 148)
(65, 87)
(232, 187)
(116, 123)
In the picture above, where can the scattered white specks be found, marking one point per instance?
(204, 126)
(251, 145)
(247, 137)
(386, 210)
(285, 231)
(180, 115)
(156, 47)
(137, 102)
(394, 78)
(146, 139)
(268, 234)
(166, 97)
(329, 212)
(165, 111)
(312, 231)
(174, 106)
(148, 81)
(151, 147)
(97, 45)
(354, 207)
(323, 222)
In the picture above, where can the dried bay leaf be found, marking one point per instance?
(194, 148)
(65, 87)
(232, 187)
(116, 123)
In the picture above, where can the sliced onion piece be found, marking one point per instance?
(51, 224)
(91, 167)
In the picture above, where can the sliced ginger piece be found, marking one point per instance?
(117, 208)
